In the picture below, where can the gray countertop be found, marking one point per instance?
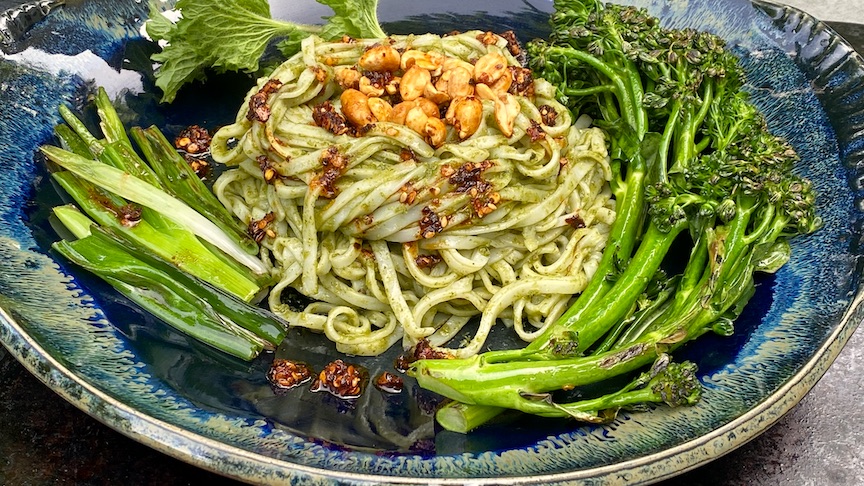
(44, 440)
(849, 11)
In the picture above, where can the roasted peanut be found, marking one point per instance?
(506, 109)
(380, 58)
(416, 120)
(459, 82)
(485, 92)
(502, 85)
(429, 107)
(465, 115)
(414, 82)
(380, 109)
(366, 87)
(451, 63)
(436, 63)
(488, 38)
(410, 57)
(430, 61)
(435, 131)
(432, 94)
(448, 116)
(348, 77)
(442, 81)
(400, 111)
(392, 86)
(490, 67)
(355, 107)
(455, 83)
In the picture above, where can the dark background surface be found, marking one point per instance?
(46, 441)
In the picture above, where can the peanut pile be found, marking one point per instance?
(425, 84)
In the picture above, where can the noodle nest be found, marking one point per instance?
(394, 236)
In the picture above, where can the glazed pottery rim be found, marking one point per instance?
(185, 445)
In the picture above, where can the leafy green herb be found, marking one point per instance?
(232, 35)
(354, 18)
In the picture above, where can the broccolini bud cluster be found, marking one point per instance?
(675, 384)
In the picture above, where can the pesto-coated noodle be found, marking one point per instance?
(399, 230)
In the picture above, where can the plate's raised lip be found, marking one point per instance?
(649, 468)
(213, 455)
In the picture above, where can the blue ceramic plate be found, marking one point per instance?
(141, 378)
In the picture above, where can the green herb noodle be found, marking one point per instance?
(361, 252)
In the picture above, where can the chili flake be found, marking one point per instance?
(258, 107)
(267, 168)
(523, 81)
(285, 374)
(327, 117)
(430, 224)
(259, 228)
(535, 131)
(575, 221)
(514, 46)
(341, 379)
(548, 115)
(421, 350)
(193, 140)
(334, 164)
(427, 260)
(389, 383)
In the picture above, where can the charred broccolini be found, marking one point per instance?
(692, 157)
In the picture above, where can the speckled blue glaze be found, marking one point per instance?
(142, 379)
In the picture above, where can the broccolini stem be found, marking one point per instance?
(461, 417)
(596, 320)
(504, 384)
(587, 91)
(618, 251)
(707, 100)
(666, 140)
(625, 94)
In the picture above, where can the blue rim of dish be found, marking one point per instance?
(802, 31)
